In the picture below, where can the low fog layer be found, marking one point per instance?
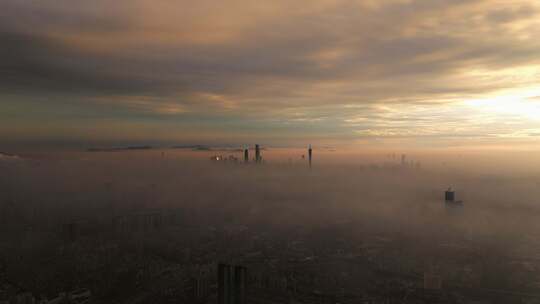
(343, 198)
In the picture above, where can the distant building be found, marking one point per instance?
(199, 286)
(216, 158)
(240, 278)
(70, 231)
(221, 158)
(231, 284)
(310, 155)
(224, 284)
(258, 157)
(450, 199)
(82, 295)
(449, 195)
(432, 281)
(246, 155)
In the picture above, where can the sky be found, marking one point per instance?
(411, 73)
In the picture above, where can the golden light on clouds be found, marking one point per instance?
(334, 70)
(523, 103)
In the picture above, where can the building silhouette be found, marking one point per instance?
(449, 195)
(231, 284)
(257, 154)
(310, 152)
(71, 231)
(432, 281)
(199, 285)
(240, 277)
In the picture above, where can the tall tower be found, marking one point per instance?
(240, 277)
(257, 154)
(310, 153)
(224, 284)
(231, 284)
(246, 155)
(449, 195)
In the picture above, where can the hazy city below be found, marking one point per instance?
(153, 225)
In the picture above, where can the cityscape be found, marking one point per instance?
(270, 152)
(128, 239)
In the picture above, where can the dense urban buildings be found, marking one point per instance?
(167, 230)
(265, 152)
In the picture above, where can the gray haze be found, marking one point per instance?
(351, 202)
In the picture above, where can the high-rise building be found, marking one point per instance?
(310, 154)
(240, 277)
(449, 195)
(231, 284)
(198, 288)
(257, 154)
(224, 284)
(246, 155)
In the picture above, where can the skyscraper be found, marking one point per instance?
(231, 284)
(224, 284)
(310, 153)
(240, 277)
(246, 155)
(449, 195)
(257, 154)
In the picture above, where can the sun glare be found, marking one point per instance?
(524, 103)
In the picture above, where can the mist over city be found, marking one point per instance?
(153, 225)
(244, 152)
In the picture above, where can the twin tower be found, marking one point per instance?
(231, 284)
(258, 157)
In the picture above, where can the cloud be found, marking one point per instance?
(242, 60)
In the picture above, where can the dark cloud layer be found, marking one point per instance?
(316, 62)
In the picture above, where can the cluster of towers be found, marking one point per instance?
(231, 284)
(258, 157)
